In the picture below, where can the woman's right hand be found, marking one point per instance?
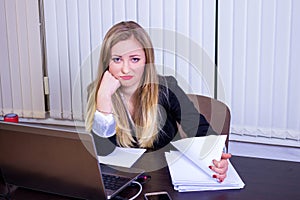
(108, 86)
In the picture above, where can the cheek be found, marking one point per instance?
(113, 69)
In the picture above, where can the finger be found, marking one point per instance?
(220, 177)
(219, 166)
(111, 74)
(226, 156)
(223, 160)
(217, 163)
(110, 79)
(219, 170)
(106, 73)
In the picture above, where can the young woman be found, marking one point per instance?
(132, 106)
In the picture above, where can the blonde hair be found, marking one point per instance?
(146, 112)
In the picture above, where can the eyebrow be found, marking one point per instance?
(134, 55)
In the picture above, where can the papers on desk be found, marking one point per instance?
(189, 166)
(202, 150)
(122, 157)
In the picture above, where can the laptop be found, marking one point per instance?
(58, 161)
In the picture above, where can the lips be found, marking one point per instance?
(126, 77)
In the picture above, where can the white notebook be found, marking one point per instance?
(189, 167)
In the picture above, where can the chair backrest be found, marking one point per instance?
(216, 113)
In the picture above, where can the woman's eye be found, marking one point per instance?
(135, 60)
(116, 60)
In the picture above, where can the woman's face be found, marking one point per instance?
(127, 62)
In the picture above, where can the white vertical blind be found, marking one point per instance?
(21, 76)
(183, 42)
(182, 47)
(258, 48)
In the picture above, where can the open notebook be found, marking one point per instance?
(189, 166)
(57, 161)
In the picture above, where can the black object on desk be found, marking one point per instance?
(57, 161)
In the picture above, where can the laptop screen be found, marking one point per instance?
(53, 160)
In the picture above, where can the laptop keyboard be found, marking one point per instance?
(113, 182)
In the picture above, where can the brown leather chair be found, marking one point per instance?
(216, 113)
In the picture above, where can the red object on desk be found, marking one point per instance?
(11, 117)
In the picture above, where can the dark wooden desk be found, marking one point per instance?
(264, 179)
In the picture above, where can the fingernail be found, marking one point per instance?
(220, 181)
(210, 167)
(214, 176)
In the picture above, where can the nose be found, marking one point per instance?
(125, 67)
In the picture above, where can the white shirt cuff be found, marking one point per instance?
(104, 125)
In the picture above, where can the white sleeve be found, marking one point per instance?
(104, 125)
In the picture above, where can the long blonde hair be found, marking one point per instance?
(146, 111)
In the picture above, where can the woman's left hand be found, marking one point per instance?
(220, 167)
